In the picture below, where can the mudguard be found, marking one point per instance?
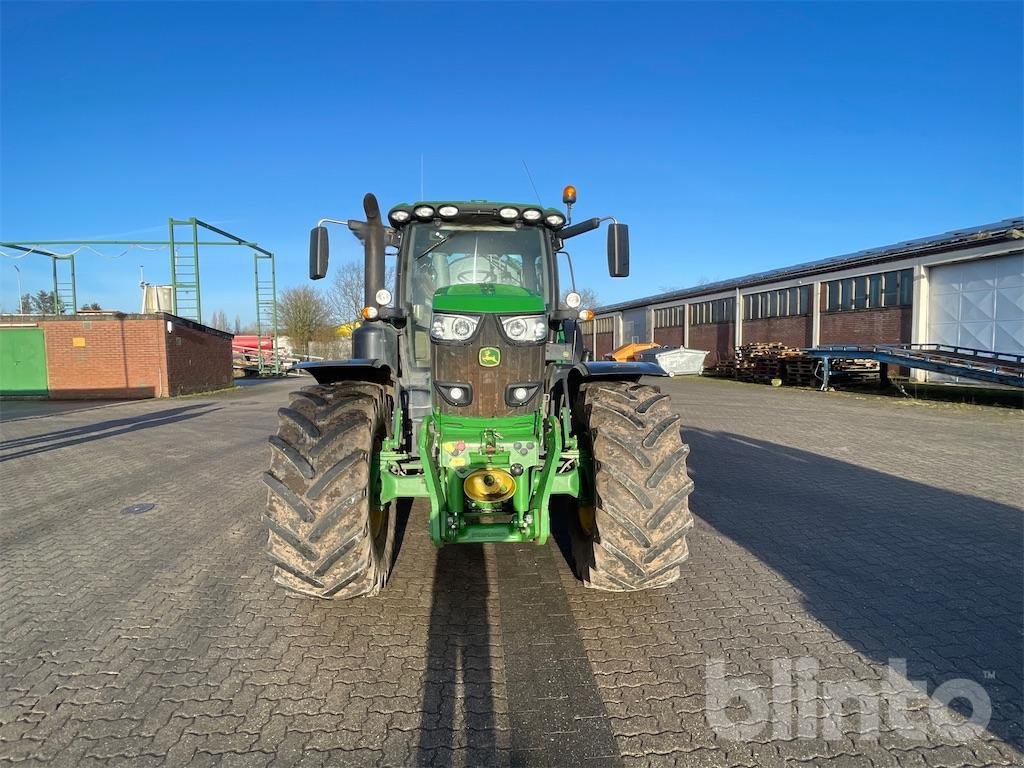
(607, 370)
(330, 371)
(612, 369)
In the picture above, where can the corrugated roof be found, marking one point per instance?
(956, 239)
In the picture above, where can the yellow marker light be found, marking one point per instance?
(490, 485)
(369, 313)
(569, 195)
(586, 314)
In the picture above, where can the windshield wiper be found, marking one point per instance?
(438, 244)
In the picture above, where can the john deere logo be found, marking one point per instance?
(490, 356)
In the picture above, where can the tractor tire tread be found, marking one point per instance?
(321, 539)
(641, 511)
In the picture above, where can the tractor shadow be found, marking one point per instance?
(563, 508)
(895, 568)
(458, 690)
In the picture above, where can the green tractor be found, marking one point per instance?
(471, 386)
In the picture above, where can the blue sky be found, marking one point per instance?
(731, 137)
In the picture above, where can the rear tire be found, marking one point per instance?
(634, 536)
(327, 535)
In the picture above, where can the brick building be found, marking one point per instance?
(111, 355)
(962, 288)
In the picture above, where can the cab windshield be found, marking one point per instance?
(452, 254)
(440, 255)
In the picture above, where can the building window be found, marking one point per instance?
(713, 312)
(669, 317)
(883, 289)
(784, 302)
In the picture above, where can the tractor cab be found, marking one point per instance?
(442, 254)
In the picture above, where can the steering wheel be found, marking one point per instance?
(466, 271)
(477, 276)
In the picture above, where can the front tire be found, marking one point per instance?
(634, 535)
(328, 537)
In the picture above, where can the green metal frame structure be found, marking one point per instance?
(64, 287)
(184, 275)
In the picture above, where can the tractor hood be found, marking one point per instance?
(487, 298)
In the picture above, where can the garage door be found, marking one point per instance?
(978, 304)
(22, 361)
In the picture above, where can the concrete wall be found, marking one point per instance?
(634, 325)
(130, 356)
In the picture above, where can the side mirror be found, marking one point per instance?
(618, 250)
(318, 253)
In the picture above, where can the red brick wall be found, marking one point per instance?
(888, 325)
(791, 331)
(132, 356)
(669, 337)
(604, 345)
(120, 358)
(717, 339)
(198, 360)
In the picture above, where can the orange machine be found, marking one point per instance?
(631, 351)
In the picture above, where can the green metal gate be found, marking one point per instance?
(22, 362)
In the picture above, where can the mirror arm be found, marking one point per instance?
(587, 225)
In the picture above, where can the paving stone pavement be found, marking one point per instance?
(836, 536)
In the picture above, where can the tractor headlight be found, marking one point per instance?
(424, 212)
(525, 328)
(532, 214)
(555, 219)
(509, 214)
(448, 211)
(453, 327)
(399, 216)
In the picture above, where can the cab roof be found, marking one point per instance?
(489, 207)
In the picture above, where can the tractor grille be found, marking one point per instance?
(490, 386)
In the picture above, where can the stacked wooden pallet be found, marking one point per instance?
(760, 362)
(800, 370)
(723, 368)
(856, 370)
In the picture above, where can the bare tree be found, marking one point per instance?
(590, 298)
(219, 320)
(303, 314)
(346, 292)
